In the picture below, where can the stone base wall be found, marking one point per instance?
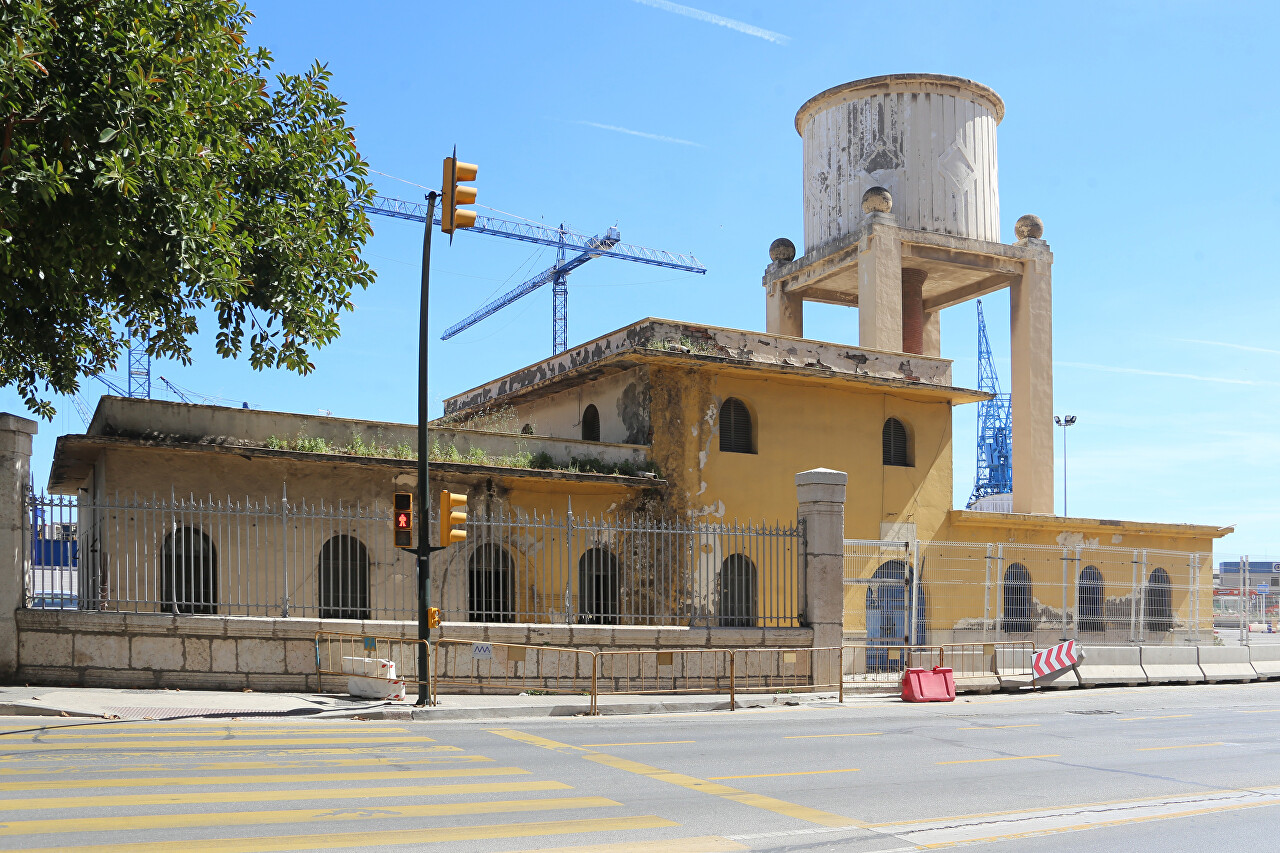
(148, 650)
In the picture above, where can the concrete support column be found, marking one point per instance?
(913, 310)
(821, 494)
(880, 286)
(1031, 351)
(784, 313)
(15, 474)
(933, 334)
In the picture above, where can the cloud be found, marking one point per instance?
(640, 133)
(1228, 345)
(718, 20)
(1221, 380)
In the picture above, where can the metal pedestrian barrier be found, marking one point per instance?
(789, 670)
(974, 667)
(883, 664)
(674, 671)
(513, 668)
(374, 667)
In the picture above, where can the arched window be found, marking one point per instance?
(1018, 612)
(598, 587)
(894, 448)
(737, 592)
(190, 580)
(590, 423)
(1158, 605)
(489, 585)
(344, 579)
(735, 427)
(527, 429)
(1091, 594)
(889, 605)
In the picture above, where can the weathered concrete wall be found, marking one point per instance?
(561, 449)
(220, 653)
(15, 474)
(622, 400)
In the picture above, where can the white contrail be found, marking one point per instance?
(718, 20)
(1222, 380)
(1228, 345)
(617, 129)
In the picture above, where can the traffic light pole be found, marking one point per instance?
(424, 487)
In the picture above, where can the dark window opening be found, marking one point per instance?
(190, 581)
(1018, 612)
(735, 427)
(889, 605)
(344, 579)
(489, 585)
(1158, 607)
(737, 592)
(527, 429)
(1091, 595)
(590, 423)
(598, 587)
(894, 449)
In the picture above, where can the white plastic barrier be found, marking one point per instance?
(1265, 660)
(372, 678)
(1172, 664)
(1226, 663)
(1111, 665)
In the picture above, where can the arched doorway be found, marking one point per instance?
(737, 592)
(1017, 615)
(190, 580)
(489, 585)
(598, 587)
(889, 601)
(1158, 606)
(1091, 597)
(344, 578)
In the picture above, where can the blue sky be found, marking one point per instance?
(1142, 133)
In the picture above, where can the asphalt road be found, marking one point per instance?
(1135, 769)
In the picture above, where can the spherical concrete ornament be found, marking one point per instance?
(877, 200)
(928, 139)
(1029, 225)
(782, 251)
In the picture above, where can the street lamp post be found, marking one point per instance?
(1064, 422)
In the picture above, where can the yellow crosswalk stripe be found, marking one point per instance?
(69, 753)
(299, 764)
(311, 794)
(15, 746)
(178, 781)
(759, 801)
(701, 844)
(179, 821)
(370, 840)
(73, 732)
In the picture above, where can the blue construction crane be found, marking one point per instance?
(995, 436)
(607, 245)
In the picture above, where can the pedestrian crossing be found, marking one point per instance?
(162, 787)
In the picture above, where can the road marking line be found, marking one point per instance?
(231, 742)
(219, 731)
(70, 754)
(1185, 746)
(638, 743)
(1166, 717)
(691, 783)
(177, 821)
(310, 794)
(851, 734)
(1263, 711)
(983, 728)
(303, 763)
(1008, 758)
(176, 781)
(797, 773)
(371, 840)
(703, 844)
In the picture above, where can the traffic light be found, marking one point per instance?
(449, 516)
(402, 519)
(454, 195)
(433, 617)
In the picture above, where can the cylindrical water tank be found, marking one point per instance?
(929, 139)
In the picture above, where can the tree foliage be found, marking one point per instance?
(155, 169)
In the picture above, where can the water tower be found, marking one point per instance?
(902, 220)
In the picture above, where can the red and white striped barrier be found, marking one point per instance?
(1054, 658)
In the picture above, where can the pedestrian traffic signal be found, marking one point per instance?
(454, 195)
(450, 515)
(402, 519)
(433, 617)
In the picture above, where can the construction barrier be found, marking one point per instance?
(472, 667)
(783, 670)
(374, 667)
(666, 671)
(1265, 660)
(1171, 664)
(974, 664)
(1111, 665)
(881, 665)
(1226, 663)
(1014, 668)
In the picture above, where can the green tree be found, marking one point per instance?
(153, 168)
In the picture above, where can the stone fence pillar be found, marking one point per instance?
(15, 474)
(821, 496)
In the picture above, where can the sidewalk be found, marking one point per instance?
(110, 703)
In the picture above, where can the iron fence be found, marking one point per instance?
(282, 558)
(955, 592)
